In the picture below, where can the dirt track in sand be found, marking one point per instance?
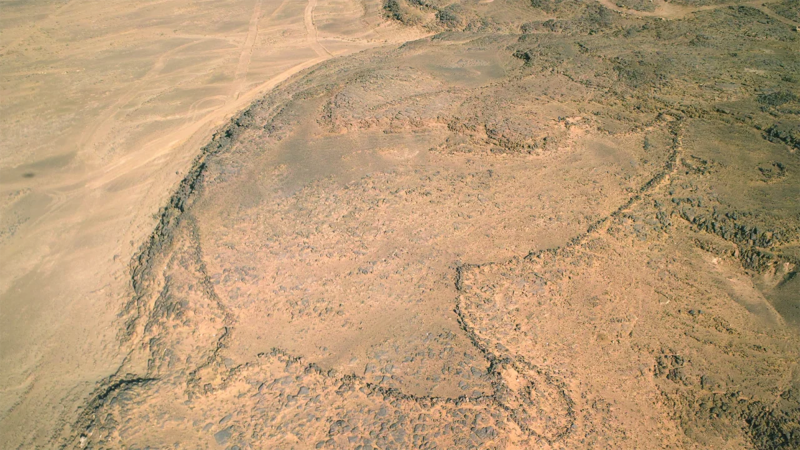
(670, 11)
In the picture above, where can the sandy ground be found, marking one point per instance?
(553, 224)
(103, 106)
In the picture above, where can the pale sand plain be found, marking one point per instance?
(103, 107)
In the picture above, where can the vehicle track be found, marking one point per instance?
(311, 30)
(240, 76)
(669, 11)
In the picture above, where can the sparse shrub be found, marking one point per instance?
(777, 98)
(399, 10)
(784, 132)
(451, 17)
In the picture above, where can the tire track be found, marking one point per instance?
(311, 30)
(668, 11)
(100, 130)
(240, 76)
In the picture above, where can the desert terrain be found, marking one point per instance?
(400, 224)
(104, 105)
